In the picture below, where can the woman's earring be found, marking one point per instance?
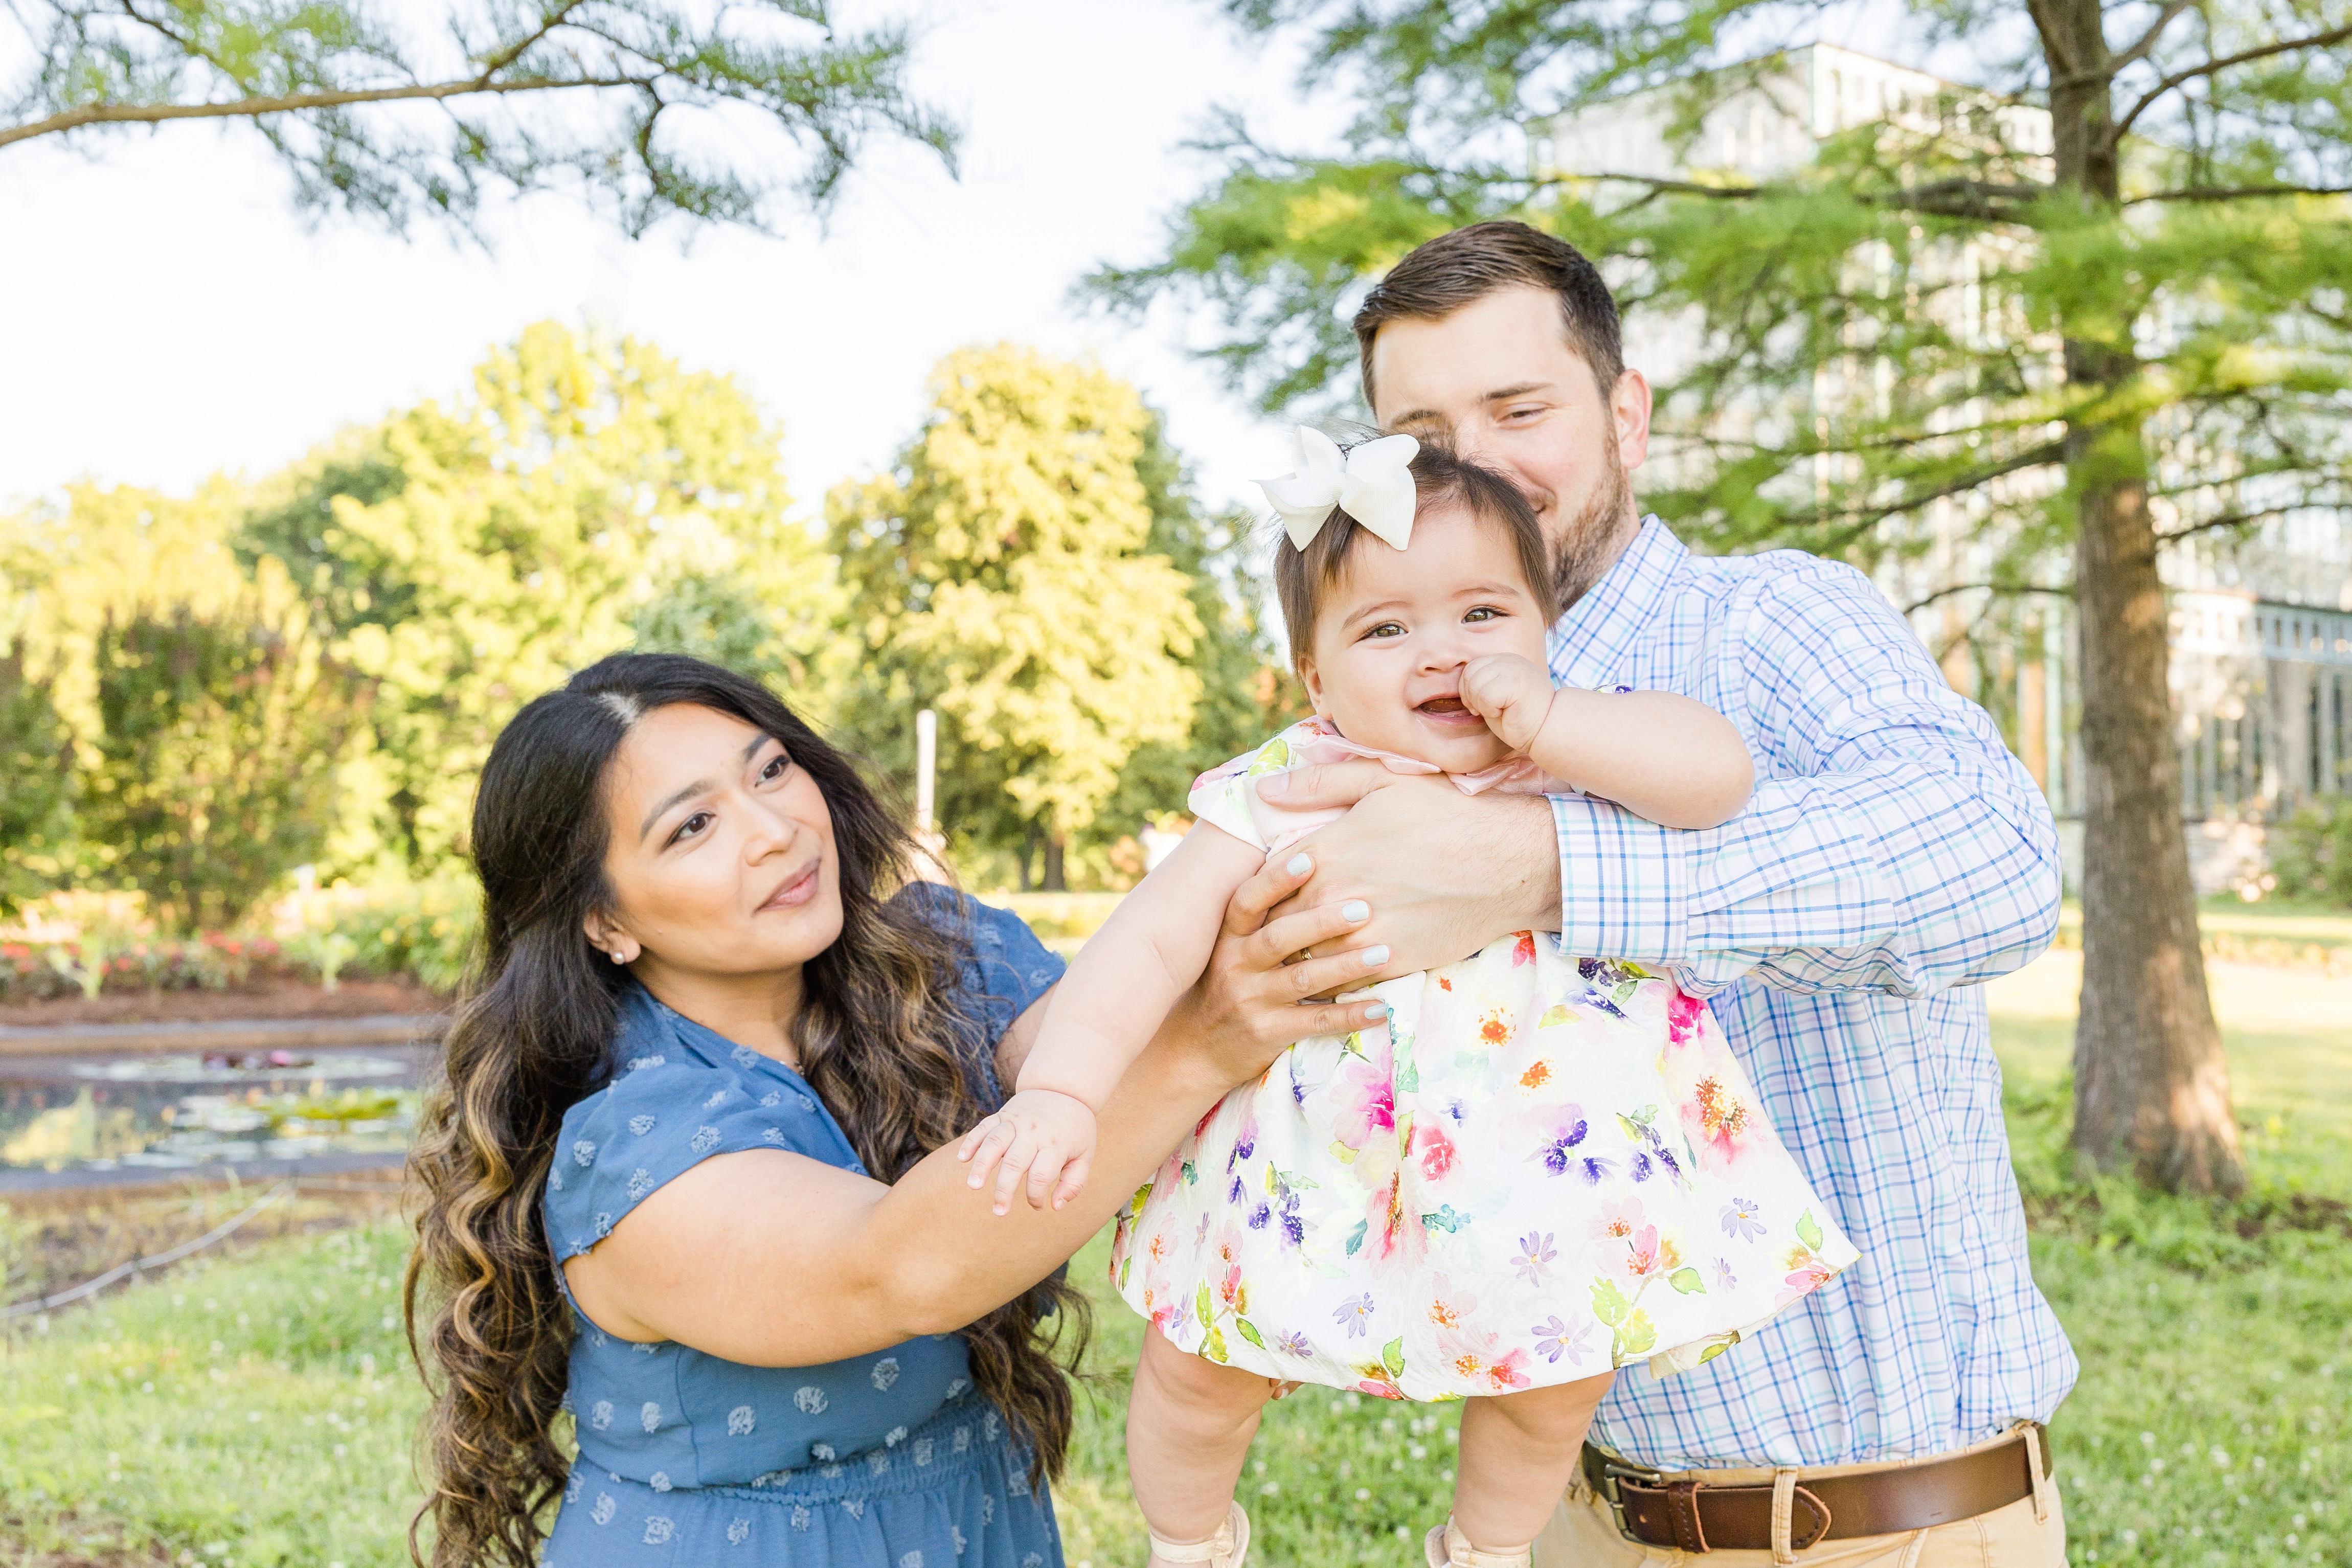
(616, 956)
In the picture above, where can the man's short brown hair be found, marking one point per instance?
(1440, 275)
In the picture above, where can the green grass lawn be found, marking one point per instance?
(260, 1411)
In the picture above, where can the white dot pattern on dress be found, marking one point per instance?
(695, 1107)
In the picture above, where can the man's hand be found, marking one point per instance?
(1511, 694)
(1446, 873)
(1047, 1135)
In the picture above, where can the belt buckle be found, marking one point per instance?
(1613, 1471)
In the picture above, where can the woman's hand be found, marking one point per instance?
(1247, 1007)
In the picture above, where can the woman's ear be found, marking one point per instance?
(1304, 664)
(605, 933)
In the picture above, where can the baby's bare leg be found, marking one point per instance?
(1518, 1452)
(1189, 1426)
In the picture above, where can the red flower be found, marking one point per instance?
(1437, 1151)
(1682, 1017)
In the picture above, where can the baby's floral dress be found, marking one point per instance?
(1541, 1166)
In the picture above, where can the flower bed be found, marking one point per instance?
(92, 964)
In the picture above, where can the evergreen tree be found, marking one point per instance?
(216, 761)
(1003, 574)
(393, 117)
(36, 779)
(2132, 333)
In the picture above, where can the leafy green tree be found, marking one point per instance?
(1002, 574)
(220, 736)
(646, 107)
(588, 497)
(2136, 331)
(1245, 695)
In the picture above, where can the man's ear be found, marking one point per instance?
(604, 934)
(1629, 415)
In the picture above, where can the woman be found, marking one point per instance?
(687, 1178)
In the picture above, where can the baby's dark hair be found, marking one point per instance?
(1440, 478)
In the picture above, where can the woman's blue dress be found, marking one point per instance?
(886, 1460)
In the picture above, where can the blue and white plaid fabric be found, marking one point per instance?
(1895, 856)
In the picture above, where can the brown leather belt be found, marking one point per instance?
(1695, 1516)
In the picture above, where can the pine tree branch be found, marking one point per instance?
(2132, 56)
(549, 21)
(2232, 520)
(1943, 593)
(247, 107)
(2209, 67)
(1959, 483)
(2238, 192)
(1955, 198)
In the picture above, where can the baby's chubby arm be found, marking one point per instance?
(1103, 1012)
(1659, 754)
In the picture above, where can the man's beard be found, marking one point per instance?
(1593, 540)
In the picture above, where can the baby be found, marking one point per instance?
(1535, 1169)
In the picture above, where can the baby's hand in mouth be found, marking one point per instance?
(1511, 694)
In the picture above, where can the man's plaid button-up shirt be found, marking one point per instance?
(1894, 857)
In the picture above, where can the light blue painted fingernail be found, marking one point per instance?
(1375, 956)
(1355, 909)
(1377, 1011)
(1299, 865)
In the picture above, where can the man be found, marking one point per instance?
(1894, 857)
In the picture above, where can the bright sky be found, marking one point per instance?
(167, 315)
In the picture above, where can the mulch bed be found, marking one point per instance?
(262, 997)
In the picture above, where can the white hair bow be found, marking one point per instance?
(1372, 483)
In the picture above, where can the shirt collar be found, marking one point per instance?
(1588, 645)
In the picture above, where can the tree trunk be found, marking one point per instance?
(2151, 1087)
(1054, 880)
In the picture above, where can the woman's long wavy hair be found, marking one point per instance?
(882, 1016)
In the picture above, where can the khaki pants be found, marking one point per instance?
(1584, 1534)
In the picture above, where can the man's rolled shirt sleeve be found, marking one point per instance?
(1893, 842)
